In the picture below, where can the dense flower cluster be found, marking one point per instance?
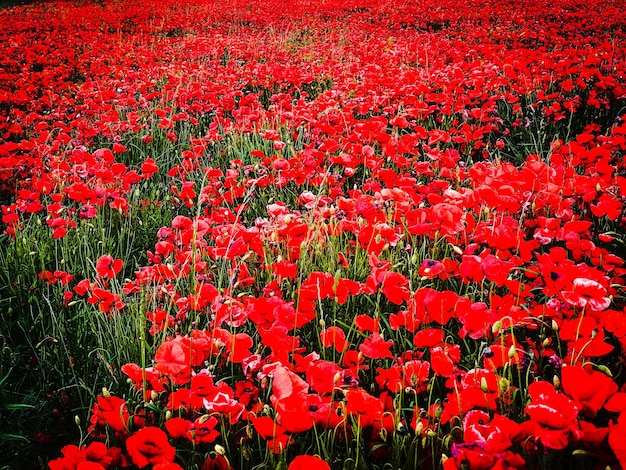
(395, 229)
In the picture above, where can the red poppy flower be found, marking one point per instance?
(617, 439)
(375, 347)
(110, 410)
(166, 466)
(173, 358)
(321, 376)
(107, 267)
(216, 461)
(289, 400)
(178, 428)
(334, 336)
(149, 168)
(367, 323)
(590, 389)
(431, 268)
(553, 416)
(308, 462)
(587, 293)
(441, 362)
(149, 446)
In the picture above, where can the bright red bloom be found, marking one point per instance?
(176, 357)
(375, 347)
(216, 461)
(289, 400)
(308, 462)
(441, 362)
(587, 293)
(321, 376)
(617, 439)
(334, 336)
(178, 427)
(365, 408)
(431, 268)
(107, 267)
(590, 389)
(112, 411)
(95, 456)
(149, 446)
(553, 416)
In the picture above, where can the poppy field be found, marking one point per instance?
(347, 234)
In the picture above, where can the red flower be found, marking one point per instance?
(375, 347)
(308, 462)
(178, 427)
(553, 416)
(617, 439)
(149, 168)
(149, 446)
(216, 461)
(289, 400)
(587, 293)
(590, 389)
(110, 410)
(107, 267)
(431, 268)
(441, 362)
(334, 336)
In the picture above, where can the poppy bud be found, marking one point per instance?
(504, 384)
(496, 327)
(556, 382)
(419, 429)
(605, 370)
(105, 392)
(512, 351)
(457, 250)
(77, 420)
(555, 325)
(220, 450)
(483, 385)
(168, 415)
(322, 323)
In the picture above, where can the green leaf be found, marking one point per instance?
(19, 406)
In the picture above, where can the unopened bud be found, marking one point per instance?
(512, 351)
(556, 382)
(605, 370)
(483, 385)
